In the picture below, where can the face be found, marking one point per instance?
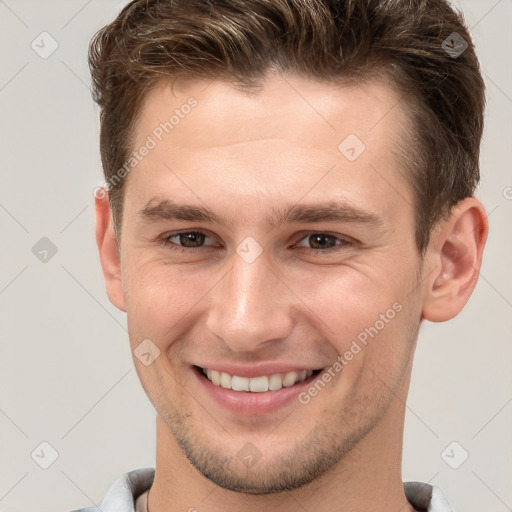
(262, 240)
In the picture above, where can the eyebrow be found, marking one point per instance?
(168, 210)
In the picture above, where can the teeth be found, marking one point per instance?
(290, 379)
(239, 383)
(225, 380)
(215, 377)
(256, 384)
(275, 382)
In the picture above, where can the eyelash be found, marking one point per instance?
(343, 242)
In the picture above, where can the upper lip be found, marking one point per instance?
(257, 369)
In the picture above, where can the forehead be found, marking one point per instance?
(301, 109)
(282, 141)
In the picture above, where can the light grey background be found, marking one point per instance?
(66, 372)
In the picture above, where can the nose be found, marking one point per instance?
(250, 307)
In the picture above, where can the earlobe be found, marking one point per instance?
(107, 243)
(455, 253)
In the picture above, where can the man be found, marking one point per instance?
(290, 194)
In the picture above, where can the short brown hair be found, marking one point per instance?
(410, 42)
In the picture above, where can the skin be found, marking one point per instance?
(242, 156)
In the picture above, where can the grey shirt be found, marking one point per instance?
(123, 494)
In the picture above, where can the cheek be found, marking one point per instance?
(345, 301)
(161, 299)
(345, 304)
(367, 317)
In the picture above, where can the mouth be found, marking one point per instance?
(253, 396)
(260, 384)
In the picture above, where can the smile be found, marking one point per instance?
(259, 384)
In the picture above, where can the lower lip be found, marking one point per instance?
(250, 403)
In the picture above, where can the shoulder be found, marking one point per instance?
(124, 491)
(426, 497)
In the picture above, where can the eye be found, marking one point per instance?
(323, 241)
(185, 239)
(190, 240)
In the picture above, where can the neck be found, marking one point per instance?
(368, 478)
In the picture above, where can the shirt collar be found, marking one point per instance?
(124, 492)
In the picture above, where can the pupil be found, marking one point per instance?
(195, 239)
(319, 240)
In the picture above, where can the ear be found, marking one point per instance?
(455, 253)
(108, 248)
